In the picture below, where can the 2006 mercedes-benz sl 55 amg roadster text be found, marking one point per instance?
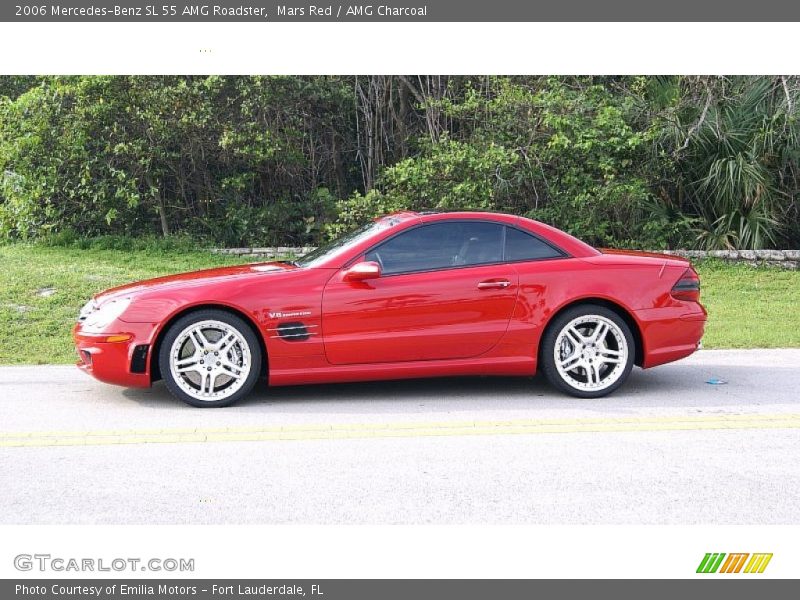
(408, 295)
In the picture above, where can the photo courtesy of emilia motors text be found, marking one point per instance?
(415, 299)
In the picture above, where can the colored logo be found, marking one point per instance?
(734, 563)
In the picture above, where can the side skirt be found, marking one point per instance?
(327, 373)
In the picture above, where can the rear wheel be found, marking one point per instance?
(210, 358)
(588, 351)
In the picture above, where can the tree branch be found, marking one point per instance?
(786, 91)
(420, 98)
(693, 129)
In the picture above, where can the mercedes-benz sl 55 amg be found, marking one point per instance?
(408, 295)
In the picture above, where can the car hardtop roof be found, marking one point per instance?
(566, 242)
(435, 215)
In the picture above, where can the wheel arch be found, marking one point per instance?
(155, 370)
(621, 311)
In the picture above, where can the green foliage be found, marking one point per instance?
(224, 159)
(360, 208)
(620, 161)
(150, 244)
(735, 146)
(453, 174)
(447, 175)
(593, 163)
(279, 223)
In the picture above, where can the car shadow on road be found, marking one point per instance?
(670, 386)
(355, 396)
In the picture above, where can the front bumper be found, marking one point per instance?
(117, 357)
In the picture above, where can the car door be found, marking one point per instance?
(444, 293)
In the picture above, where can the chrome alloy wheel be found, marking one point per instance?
(210, 360)
(590, 353)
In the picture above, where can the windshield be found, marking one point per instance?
(342, 244)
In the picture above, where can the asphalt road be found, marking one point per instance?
(667, 448)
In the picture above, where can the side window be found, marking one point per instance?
(523, 246)
(440, 246)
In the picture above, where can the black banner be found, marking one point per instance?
(394, 589)
(400, 11)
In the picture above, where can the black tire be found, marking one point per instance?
(240, 326)
(547, 360)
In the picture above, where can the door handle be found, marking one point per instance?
(494, 284)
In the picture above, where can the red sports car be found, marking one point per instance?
(408, 295)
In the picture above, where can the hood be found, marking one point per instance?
(195, 278)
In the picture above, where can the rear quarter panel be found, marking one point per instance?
(641, 287)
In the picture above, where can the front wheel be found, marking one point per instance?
(210, 358)
(587, 351)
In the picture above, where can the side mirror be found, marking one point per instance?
(362, 271)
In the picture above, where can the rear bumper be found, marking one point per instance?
(671, 333)
(109, 357)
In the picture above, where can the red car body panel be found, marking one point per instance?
(436, 323)
(419, 316)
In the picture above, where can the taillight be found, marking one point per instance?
(688, 287)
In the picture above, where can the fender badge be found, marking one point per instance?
(286, 315)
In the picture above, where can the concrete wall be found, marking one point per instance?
(787, 259)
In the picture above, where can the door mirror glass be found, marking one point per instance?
(362, 271)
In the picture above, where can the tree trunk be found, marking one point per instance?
(162, 209)
(162, 213)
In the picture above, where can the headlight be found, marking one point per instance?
(100, 318)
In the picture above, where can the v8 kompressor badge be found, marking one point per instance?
(288, 315)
